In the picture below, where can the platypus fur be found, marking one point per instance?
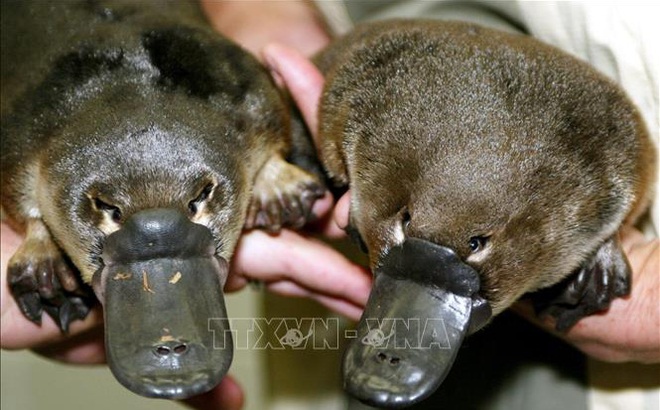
(482, 166)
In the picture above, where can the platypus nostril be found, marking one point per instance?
(180, 348)
(162, 350)
(382, 357)
(395, 360)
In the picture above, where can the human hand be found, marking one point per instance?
(630, 329)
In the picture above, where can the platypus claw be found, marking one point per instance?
(37, 287)
(72, 308)
(283, 196)
(589, 290)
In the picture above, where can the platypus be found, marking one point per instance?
(483, 166)
(137, 143)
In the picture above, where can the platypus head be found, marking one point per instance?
(150, 213)
(455, 235)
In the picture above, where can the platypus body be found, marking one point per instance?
(136, 145)
(482, 166)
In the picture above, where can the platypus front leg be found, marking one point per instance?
(41, 278)
(283, 195)
(590, 289)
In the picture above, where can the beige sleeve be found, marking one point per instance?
(618, 39)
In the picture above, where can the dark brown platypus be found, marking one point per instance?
(136, 145)
(482, 166)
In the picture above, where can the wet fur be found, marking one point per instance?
(447, 131)
(137, 105)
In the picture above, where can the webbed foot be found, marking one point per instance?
(283, 195)
(590, 289)
(41, 279)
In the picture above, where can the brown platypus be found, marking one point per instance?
(136, 145)
(482, 166)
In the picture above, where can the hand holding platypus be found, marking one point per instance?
(450, 135)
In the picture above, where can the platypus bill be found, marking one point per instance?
(482, 166)
(136, 145)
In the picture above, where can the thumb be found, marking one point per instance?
(301, 77)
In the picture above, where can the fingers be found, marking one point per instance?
(323, 206)
(9, 243)
(341, 211)
(84, 348)
(302, 79)
(228, 395)
(19, 333)
(293, 265)
(305, 83)
(632, 239)
(349, 310)
(292, 289)
(330, 219)
(310, 263)
(255, 23)
(235, 282)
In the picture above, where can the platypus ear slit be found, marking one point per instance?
(405, 218)
(601, 279)
(112, 210)
(203, 195)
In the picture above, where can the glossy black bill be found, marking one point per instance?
(166, 327)
(423, 303)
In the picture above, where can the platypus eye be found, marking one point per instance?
(193, 206)
(477, 243)
(114, 211)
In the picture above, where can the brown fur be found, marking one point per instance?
(446, 131)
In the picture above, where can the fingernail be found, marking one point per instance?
(271, 65)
